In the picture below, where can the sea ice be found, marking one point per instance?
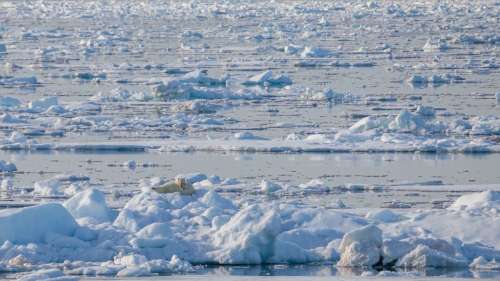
(90, 204)
(7, 167)
(361, 247)
(269, 187)
(483, 200)
(33, 224)
(268, 79)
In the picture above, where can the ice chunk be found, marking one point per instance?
(192, 177)
(134, 271)
(156, 230)
(418, 80)
(269, 187)
(248, 237)
(339, 204)
(317, 138)
(423, 256)
(186, 89)
(425, 111)
(435, 45)
(213, 199)
(91, 204)
(393, 249)
(8, 118)
(435, 80)
(314, 186)
(137, 265)
(315, 52)
(292, 49)
(480, 263)
(87, 76)
(42, 104)
(230, 181)
(48, 188)
(192, 34)
(386, 216)
(307, 244)
(19, 81)
(7, 167)
(17, 137)
(368, 123)
(32, 224)
(178, 265)
(247, 136)
(407, 122)
(328, 95)
(146, 208)
(55, 110)
(484, 200)
(7, 184)
(200, 77)
(267, 78)
(157, 235)
(361, 247)
(9, 101)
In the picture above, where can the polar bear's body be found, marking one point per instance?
(179, 185)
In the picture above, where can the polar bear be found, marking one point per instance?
(180, 185)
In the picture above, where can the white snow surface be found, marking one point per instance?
(155, 233)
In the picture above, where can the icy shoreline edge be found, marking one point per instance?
(259, 146)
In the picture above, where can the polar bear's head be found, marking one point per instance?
(180, 182)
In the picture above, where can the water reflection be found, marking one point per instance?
(331, 270)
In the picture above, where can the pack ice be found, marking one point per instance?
(167, 233)
(158, 77)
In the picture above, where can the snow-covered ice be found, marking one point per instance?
(209, 228)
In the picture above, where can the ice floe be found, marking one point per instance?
(7, 166)
(164, 233)
(268, 79)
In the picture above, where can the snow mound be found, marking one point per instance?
(316, 52)
(142, 210)
(480, 263)
(361, 247)
(32, 224)
(248, 237)
(42, 104)
(267, 78)
(91, 204)
(328, 95)
(48, 188)
(423, 257)
(269, 187)
(474, 201)
(385, 215)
